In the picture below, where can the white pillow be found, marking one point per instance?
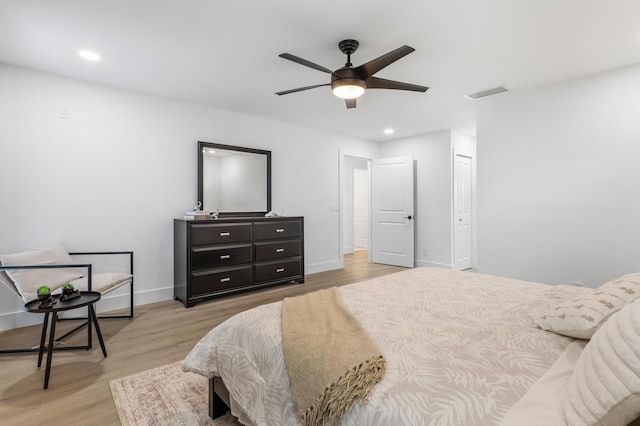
(582, 316)
(604, 388)
(27, 281)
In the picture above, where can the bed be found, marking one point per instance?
(461, 348)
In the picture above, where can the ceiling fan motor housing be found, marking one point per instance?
(347, 76)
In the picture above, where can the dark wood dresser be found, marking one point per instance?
(222, 256)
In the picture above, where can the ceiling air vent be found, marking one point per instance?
(489, 92)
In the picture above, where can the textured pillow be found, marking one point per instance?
(604, 388)
(582, 316)
(28, 280)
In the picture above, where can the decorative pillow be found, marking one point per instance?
(103, 282)
(28, 280)
(604, 388)
(582, 316)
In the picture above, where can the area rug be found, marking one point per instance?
(165, 396)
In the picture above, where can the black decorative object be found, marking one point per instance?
(69, 295)
(47, 303)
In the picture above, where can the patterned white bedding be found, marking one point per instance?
(461, 349)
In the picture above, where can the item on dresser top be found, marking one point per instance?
(197, 215)
(274, 213)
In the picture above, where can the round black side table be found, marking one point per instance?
(87, 298)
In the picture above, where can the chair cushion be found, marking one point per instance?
(604, 388)
(27, 281)
(103, 282)
(582, 316)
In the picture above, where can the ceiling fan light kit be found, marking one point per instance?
(348, 88)
(350, 83)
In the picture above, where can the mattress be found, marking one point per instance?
(461, 348)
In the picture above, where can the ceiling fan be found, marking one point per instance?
(349, 83)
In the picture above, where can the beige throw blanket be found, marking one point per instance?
(331, 360)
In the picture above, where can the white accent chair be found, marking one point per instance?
(52, 266)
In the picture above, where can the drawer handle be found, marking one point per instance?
(224, 280)
(225, 256)
(225, 234)
(280, 270)
(279, 229)
(279, 250)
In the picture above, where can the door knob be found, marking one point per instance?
(407, 217)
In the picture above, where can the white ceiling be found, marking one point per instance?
(225, 53)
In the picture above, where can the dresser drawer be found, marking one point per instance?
(278, 249)
(209, 234)
(207, 257)
(207, 282)
(270, 271)
(278, 230)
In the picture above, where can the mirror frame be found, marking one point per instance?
(267, 154)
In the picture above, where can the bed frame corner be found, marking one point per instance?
(218, 398)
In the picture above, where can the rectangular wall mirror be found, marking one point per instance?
(235, 181)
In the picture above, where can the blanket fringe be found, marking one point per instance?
(355, 385)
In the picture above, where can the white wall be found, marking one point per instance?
(115, 174)
(558, 180)
(433, 194)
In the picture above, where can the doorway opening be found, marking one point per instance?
(355, 188)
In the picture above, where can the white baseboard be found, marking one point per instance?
(361, 242)
(321, 267)
(111, 302)
(426, 263)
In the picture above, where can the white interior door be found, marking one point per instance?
(462, 211)
(392, 211)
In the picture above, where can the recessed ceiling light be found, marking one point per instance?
(388, 131)
(89, 55)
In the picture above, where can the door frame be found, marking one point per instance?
(341, 182)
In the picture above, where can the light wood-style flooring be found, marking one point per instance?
(159, 334)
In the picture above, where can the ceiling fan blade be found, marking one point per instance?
(372, 67)
(305, 63)
(381, 83)
(300, 89)
(351, 103)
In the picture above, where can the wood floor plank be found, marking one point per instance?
(159, 334)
